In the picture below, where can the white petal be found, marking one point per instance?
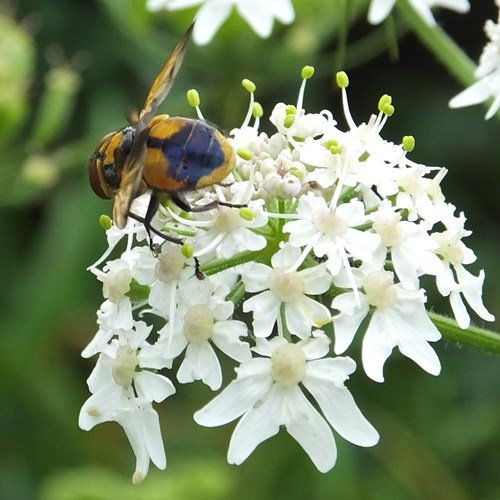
(377, 347)
(305, 424)
(257, 16)
(153, 438)
(459, 310)
(237, 398)
(316, 280)
(260, 423)
(153, 386)
(266, 308)
(99, 407)
(339, 407)
(226, 336)
(200, 363)
(475, 94)
(472, 289)
(315, 347)
(209, 19)
(304, 314)
(379, 10)
(255, 277)
(346, 323)
(283, 10)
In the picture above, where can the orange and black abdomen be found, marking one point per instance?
(185, 154)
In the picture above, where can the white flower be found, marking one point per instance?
(330, 231)
(123, 388)
(487, 74)
(202, 319)
(319, 205)
(380, 9)
(281, 285)
(454, 254)
(229, 230)
(259, 14)
(266, 395)
(399, 319)
(411, 246)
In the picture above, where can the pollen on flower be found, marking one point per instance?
(248, 85)
(105, 221)
(307, 72)
(187, 250)
(342, 79)
(247, 213)
(289, 120)
(385, 105)
(193, 98)
(244, 154)
(408, 143)
(257, 110)
(288, 365)
(198, 323)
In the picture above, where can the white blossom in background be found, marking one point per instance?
(487, 85)
(380, 9)
(337, 229)
(259, 14)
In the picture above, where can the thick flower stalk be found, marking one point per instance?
(330, 229)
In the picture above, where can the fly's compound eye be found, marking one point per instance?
(103, 177)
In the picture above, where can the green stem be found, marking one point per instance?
(440, 44)
(473, 336)
(217, 265)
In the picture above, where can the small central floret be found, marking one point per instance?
(124, 366)
(286, 286)
(380, 289)
(288, 365)
(198, 323)
(329, 223)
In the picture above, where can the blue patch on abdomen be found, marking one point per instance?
(192, 153)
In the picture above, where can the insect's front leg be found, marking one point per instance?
(154, 204)
(179, 199)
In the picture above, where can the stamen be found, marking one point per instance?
(307, 72)
(193, 98)
(343, 83)
(250, 87)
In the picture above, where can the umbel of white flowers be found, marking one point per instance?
(338, 227)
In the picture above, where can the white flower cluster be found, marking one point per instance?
(337, 228)
(380, 9)
(259, 14)
(487, 73)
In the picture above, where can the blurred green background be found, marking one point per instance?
(69, 70)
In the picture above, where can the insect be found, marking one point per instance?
(163, 154)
